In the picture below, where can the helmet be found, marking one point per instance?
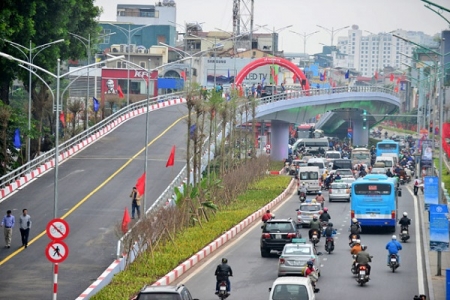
(310, 263)
(224, 260)
(394, 237)
(325, 209)
(355, 220)
(358, 241)
(320, 192)
(363, 247)
(315, 217)
(405, 214)
(313, 201)
(330, 225)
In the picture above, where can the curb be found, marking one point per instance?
(216, 244)
(47, 166)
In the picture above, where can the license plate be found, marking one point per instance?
(298, 263)
(405, 232)
(373, 215)
(362, 272)
(278, 236)
(223, 288)
(393, 260)
(314, 236)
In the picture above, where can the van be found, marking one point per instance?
(318, 162)
(341, 164)
(387, 160)
(292, 287)
(393, 155)
(310, 176)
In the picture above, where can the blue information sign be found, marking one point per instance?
(431, 190)
(439, 236)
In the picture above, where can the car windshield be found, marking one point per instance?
(361, 156)
(277, 227)
(159, 296)
(333, 155)
(316, 164)
(297, 250)
(345, 172)
(309, 207)
(290, 291)
(339, 186)
(309, 175)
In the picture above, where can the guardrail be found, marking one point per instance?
(35, 163)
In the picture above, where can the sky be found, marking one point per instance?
(304, 16)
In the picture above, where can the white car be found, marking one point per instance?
(292, 288)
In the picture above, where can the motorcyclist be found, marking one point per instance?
(356, 247)
(329, 232)
(314, 226)
(393, 247)
(338, 176)
(389, 173)
(267, 216)
(325, 216)
(303, 190)
(404, 221)
(310, 272)
(363, 258)
(416, 185)
(223, 271)
(355, 229)
(320, 199)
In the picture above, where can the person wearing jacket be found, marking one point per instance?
(223, 272)
(325, 216)
(363, 258)
(393, 247)
(405, 221)
(267, 216)
(314, 225)
(356, 248)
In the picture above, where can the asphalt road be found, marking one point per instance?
(91, 176)
(253, 275)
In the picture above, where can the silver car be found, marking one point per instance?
(339, 190)
(294, 257)
(306, 211)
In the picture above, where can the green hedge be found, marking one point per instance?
(146, 270)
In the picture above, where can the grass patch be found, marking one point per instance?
(276, 165)
(147, 269)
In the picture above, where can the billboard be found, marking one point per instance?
(439, 234)
(431, 190)
(426, 158)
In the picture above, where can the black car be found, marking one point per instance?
(276, 233)
(169, 292)
(268, 90)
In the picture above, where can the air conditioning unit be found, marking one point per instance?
(140, 50)
(132, 48)
(122, 48)
(115, 48)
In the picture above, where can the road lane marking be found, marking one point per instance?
(421, 283)
(70, 211)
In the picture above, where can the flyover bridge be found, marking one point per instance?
(340, 106)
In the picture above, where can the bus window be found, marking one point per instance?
(372, 189)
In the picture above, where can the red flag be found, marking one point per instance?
(125, 220)
(324, 75)
(119, 90)
(398, 80)
(396, 89)
(171, 159)
(183, 75)
(294, 78)
(62, 119)
(392, 77)
(140, 185)
(376, 75)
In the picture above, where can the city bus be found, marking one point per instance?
(361, 156)
(374, 201)
(305, 130)
(388, 146)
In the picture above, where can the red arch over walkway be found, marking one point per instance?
(271, 61)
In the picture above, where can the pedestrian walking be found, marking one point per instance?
(25, 225)
(8, 225)
(135, 203)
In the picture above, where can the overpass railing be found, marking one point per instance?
(35, 163)
(293, 94)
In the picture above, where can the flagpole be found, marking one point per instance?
(146, 138)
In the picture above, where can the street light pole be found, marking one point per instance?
(332, 31)
(305, 37)
(30, 57)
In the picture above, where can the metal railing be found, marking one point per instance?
(35, 163)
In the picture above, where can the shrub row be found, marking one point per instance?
(152, 265)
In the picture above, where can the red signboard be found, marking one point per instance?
(57, 251)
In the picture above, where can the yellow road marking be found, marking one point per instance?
(94, 191)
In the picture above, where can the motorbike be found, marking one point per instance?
(362, 277)
(223, 294)
(353, 239)
(324, 226)
(302, 197)
(393, 262)
(402, 180)
(329, 245)
(354, 268)
(404, 233)
(315, 237)
(408, 179)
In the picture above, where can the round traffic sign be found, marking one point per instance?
(56, 251)
(57, 229)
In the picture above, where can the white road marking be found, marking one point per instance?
(420, 276)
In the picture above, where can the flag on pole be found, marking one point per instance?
(16, 141)
(96, 104)
(391, 77)
(171, 160)
(294, 78)
(347, 74)
(126, 219)
(324, 75)
(398, 80)
(396, 89)
(62, 119)
(322, 78)
(229, 74)
(376, 75)
(119, 90)
(183, 75)
(192, 131)
(140, 185)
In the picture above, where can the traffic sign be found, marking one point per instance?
(57, 229)
(349, 129)
(56, 251)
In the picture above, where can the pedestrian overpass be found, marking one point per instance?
(339, 107)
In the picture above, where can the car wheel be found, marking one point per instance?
(264, 253)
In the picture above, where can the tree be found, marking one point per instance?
(75, 107)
